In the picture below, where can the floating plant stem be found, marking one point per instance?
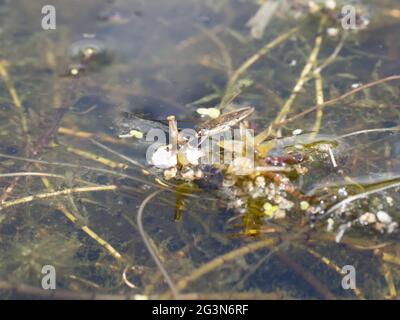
(37, 149)
(334, 267)
(89, 135)
(361, 195)
(139, 221)
(332, 57)
(387, 257)
(103, 243)
(86, 229)
(335, 100)
(320, 101)
(307, 276)
(229, 91)
(387, 273)
(296, 90)
(221, 260)
(130, 160)
(94, 157)
(41, 174)
(76, 166)
(16, 101)
(369, 131)
(28, 174)
(41, 196)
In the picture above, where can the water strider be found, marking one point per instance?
(265, 185)
(224, 122)
(128, 121)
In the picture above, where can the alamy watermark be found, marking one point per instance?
(349, 17)
(49, 278)
(349, 277)
(49, 17)
(218, 148)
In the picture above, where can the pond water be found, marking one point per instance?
(62, 90)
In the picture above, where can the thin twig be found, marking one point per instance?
(296, 90)
(40, 196)
(229, 91)
(335, 100)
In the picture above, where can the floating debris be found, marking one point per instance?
(384, 217)
(132, 134)
(341, 230)
(304, 205)
(90, 53)
(367, 218)
(210, 112)
(297, 132)
(330, 224)
(86, 49)
(75, 70)
(269, 209)
(332, 32)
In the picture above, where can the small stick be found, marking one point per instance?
(7, 204)
(173, 132)
(41, 174)
(16, 101)
(114, 253)
(89, 135)
(333, 101)
(94, 157)
(320, 101)
(334, 267)
(221, 260)
(392, 292)
(76, 166)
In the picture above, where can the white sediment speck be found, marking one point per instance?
(329, 227)
(297, 132)
(392, 227)
(332, 157)
(330, 4)
(132, 134)
(188, 174)
(342, 192)
(189, 154)
(341, 230)
(210, 112)
(390, 201)
(170, 173)
(332, 32)
(260, 182)
(383, 217)
(367, 218)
